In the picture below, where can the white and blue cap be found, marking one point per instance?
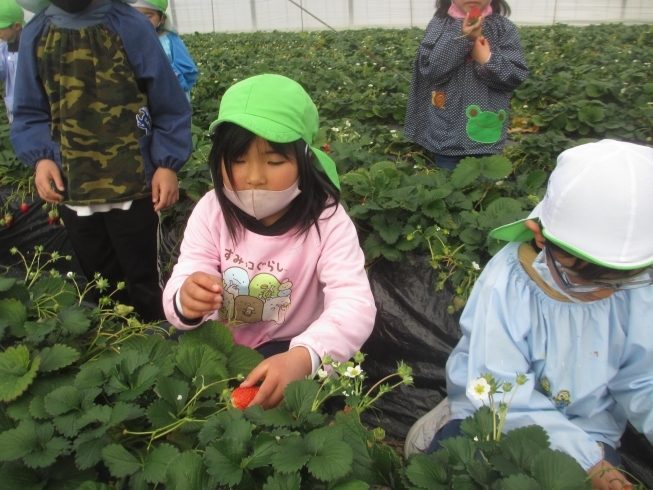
(598, 205)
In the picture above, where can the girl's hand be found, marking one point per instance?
(165, 188)
(200, 294)
(277, 372)
(473, 31)
(607, 477)
(47, 172)
(481, 51)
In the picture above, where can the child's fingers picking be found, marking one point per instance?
(258, 373)
(208, 282)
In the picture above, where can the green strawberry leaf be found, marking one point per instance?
(16, 476)
(223, 460)
(331, 456)
(520, 482)
(212, 334)
(555, 470)
(425, 472)
(291, 455)
(299, 395)
(18, 442)
(48, 448)
(157, 461)
(74, 320)
(201, 362)
(280, 481)
(241, 360)
(56, 357)
(264, 447)
(120, 461)
(89, 445)
(16, 371)
(466, 172)
(14, 315)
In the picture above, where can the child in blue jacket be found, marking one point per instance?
(178, 55)
(570, 304)
(101, 118)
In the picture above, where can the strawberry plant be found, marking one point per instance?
(92, 398)
(484, 457)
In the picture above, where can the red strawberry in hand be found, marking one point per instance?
(241, 397)
(24, 207)
(474, 15)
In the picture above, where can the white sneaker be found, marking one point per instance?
(423, 431)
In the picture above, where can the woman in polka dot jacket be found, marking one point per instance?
(467, 65)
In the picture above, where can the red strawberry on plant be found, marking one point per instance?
(241, 397)
(327, 148)
(24, 207)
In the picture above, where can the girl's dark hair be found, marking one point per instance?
(498, 7)
(588, 270)
(231, 142)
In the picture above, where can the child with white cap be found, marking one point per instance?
(570, 304)
(178, 55)
(12, 19)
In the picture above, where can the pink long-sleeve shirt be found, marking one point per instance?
(310, 289)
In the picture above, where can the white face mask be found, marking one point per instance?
(261, 204)
(542, 269)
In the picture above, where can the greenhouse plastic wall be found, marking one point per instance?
(267, 15)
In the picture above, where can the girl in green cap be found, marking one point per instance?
(270, 250)
(175, 49)
(12, 19)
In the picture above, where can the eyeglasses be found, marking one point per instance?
(563, 273)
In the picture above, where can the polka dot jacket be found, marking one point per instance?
(457, 106)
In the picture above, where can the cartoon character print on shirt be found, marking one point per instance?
(261, 298)
(264, 286)
(236, 280)
(485, 126)
(561, 400)
(275, 309)
(248, 309)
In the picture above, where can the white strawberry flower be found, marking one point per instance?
(179, 397)
(321, 373)
(353, 372)
(479, 389)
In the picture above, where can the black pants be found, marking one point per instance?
(121, 246)
(273, 348)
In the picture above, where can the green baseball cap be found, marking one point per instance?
(160, 5)
(277, 109)
(10, 13)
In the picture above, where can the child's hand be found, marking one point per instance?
(165, 188)
(200, 294)
(278, 371)
(607, 477)
(475, 30)
(481, 51)
(46, 172)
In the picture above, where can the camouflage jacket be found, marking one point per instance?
(109, 110)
